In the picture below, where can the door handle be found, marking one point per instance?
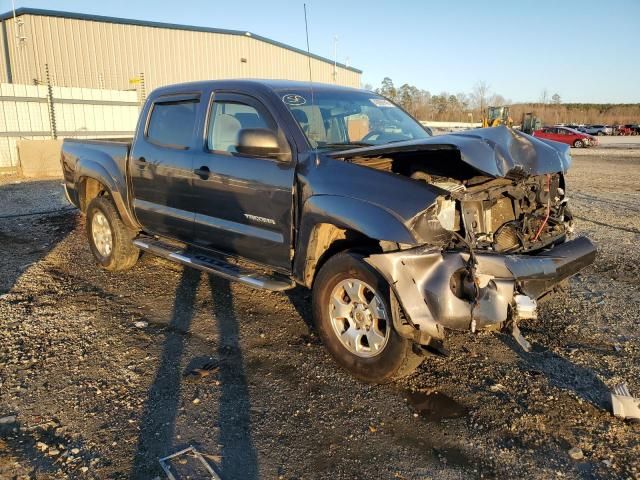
(141, 162)
(203, 172)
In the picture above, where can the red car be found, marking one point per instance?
(567, 135)
(623, 130)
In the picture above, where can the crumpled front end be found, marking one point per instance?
(493, 240)
(460, 290)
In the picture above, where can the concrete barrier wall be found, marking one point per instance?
(450, 125)
(39, 158)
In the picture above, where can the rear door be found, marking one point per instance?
(546, 133)
(244, 203)
(161, 166)
(562, 135)
(568, 136)
(554, 134)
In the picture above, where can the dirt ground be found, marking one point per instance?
(95, 367)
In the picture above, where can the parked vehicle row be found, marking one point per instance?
(597, 130)
(627, 129)
(567, 135)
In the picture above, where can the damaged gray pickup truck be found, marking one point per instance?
(402, 236)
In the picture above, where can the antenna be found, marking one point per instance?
(306, 27)
(18, 23)
(335, 58)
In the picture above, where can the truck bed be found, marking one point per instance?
(111, 154)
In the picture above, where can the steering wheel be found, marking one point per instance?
(385, 137)
(372, 133)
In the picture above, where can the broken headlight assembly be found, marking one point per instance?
(433, 226)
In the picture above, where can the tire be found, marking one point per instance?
(110, 239)
(578, 144)
(394, 358)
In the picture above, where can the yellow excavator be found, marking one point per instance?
(496, 116)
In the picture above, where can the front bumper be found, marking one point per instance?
(426, 284)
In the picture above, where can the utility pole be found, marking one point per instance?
(335, 58)
(52, 113)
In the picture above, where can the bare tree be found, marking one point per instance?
(497, 100)
(463, 100)
(424, 106)
(544, 96)
(479, 95)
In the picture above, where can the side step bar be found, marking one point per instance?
(213, 265)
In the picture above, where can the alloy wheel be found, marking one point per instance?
(101, 233)
(359, 318)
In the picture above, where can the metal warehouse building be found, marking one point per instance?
(107, 53)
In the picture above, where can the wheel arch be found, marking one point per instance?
(93, 180)
(332, 224)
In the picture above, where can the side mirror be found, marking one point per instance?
(258, 142)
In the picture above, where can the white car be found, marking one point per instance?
(598, 130)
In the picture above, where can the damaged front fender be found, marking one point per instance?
(435, 291)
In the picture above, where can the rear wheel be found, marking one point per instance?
(354, 317)
(110, 240)
(578, 144)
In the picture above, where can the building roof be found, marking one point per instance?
(173, 26)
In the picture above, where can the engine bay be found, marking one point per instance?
(507, 215)
(514, 215)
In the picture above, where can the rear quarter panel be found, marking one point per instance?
(103, 161)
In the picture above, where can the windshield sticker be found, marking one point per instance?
(294, 99)
(381, 102)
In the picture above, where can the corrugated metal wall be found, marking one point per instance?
(98, 54)
(77, 112)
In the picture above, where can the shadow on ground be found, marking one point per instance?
(562, 373)
(157, 425)
(26, 238)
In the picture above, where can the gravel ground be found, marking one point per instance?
(95, 367)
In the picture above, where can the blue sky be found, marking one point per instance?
(586, 51)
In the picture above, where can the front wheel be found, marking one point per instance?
(578, 144)
(353, 315)
(110, 240)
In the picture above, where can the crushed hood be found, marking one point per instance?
(496, 152)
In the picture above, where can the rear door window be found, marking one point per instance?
(172, 123)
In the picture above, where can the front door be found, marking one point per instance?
(244, 202)
(161, 167)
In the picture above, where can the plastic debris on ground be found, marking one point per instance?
(624, 405)
(187, 463)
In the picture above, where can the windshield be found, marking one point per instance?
(345, 117)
